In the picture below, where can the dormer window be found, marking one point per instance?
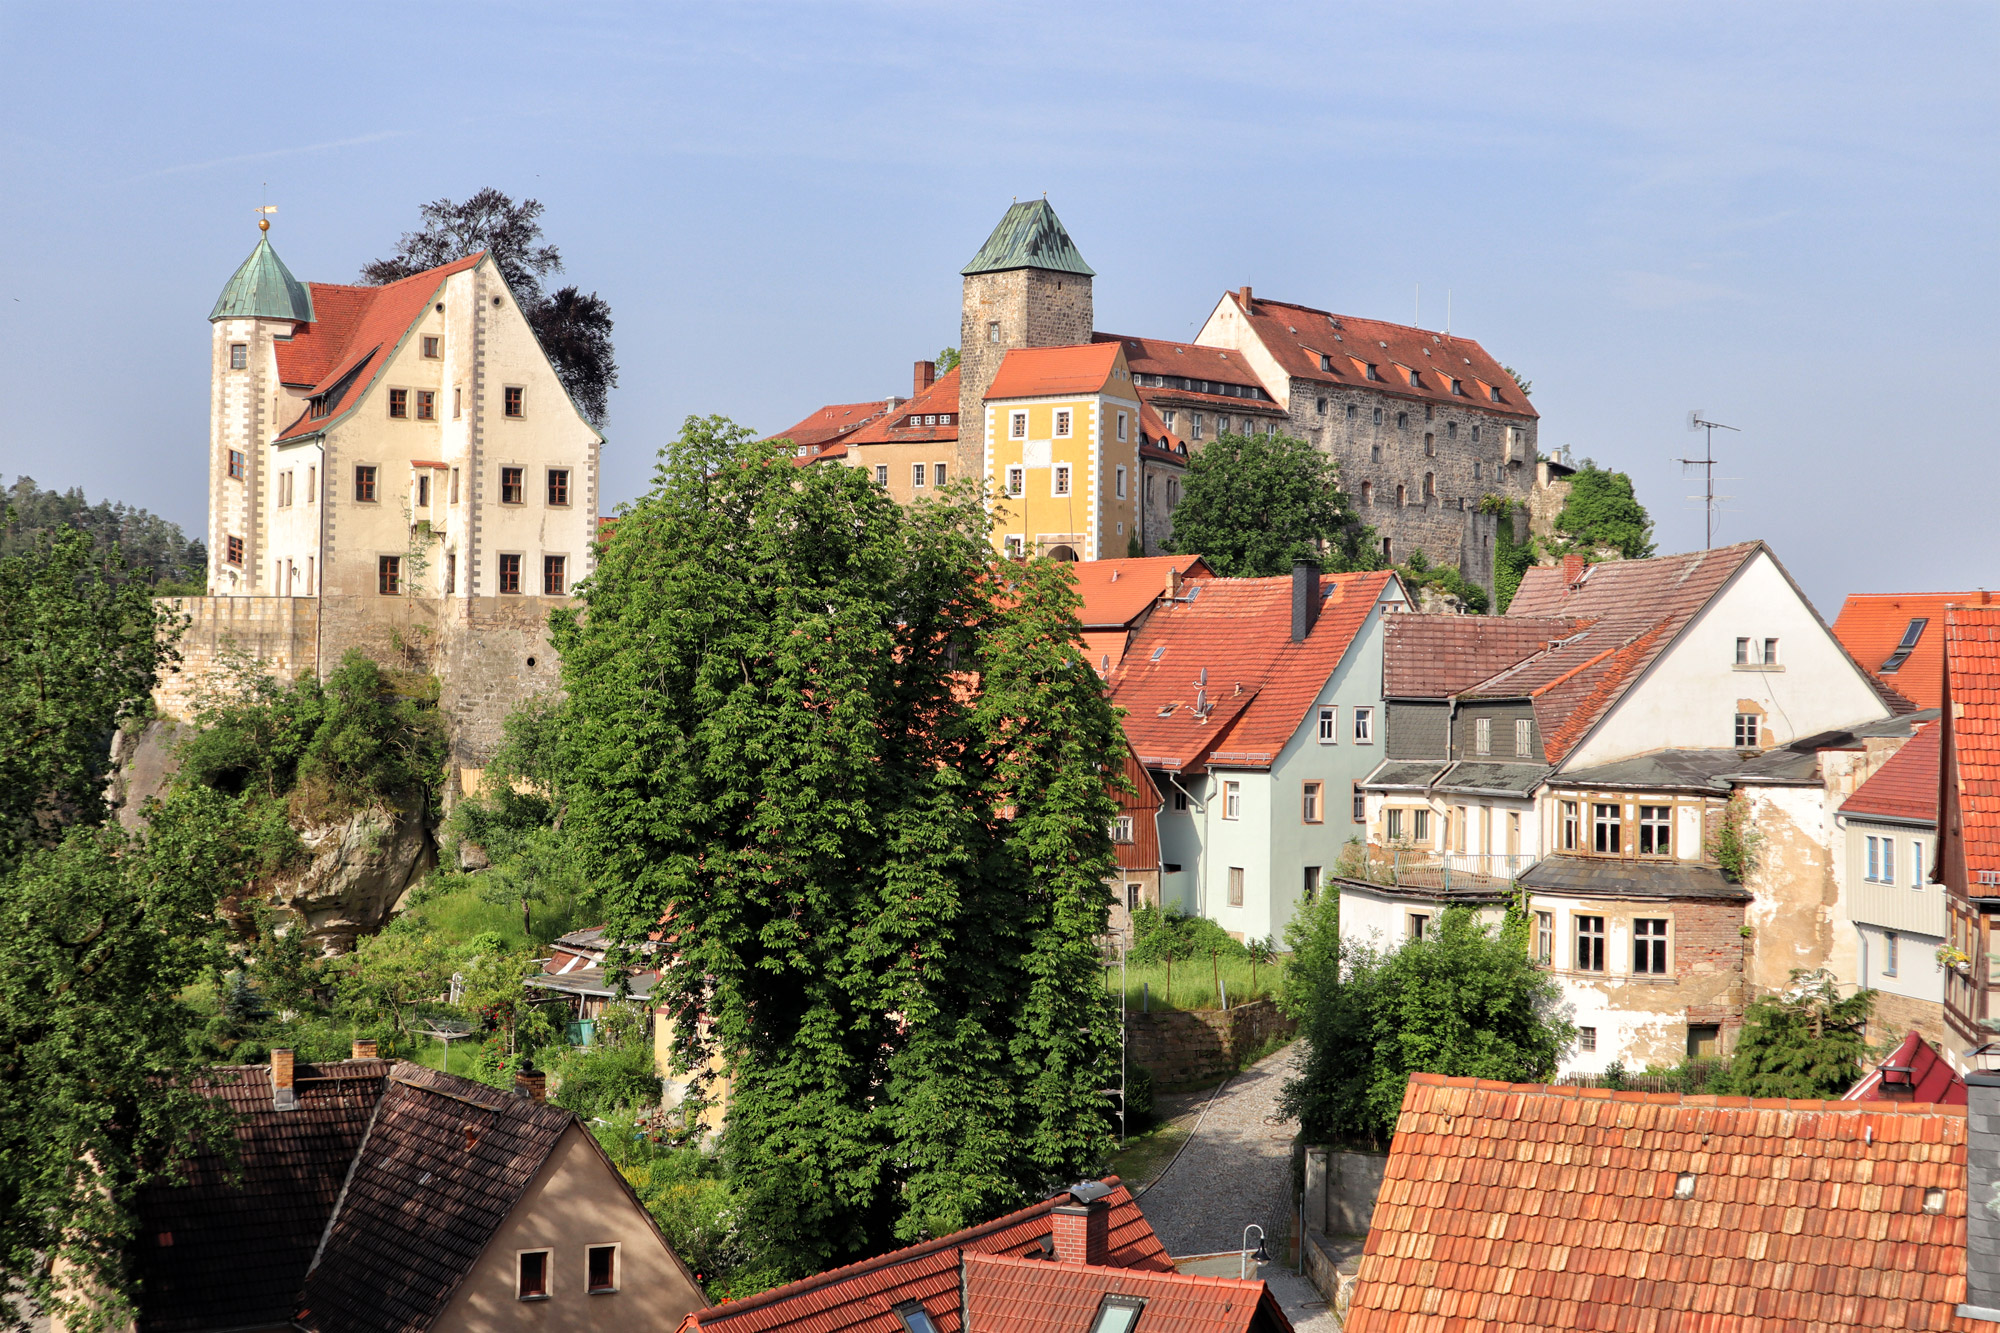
(1325, 362)
(1458, 388)
(1373, 373)
(1906, 645)
(1416, 380)
(1493, 394)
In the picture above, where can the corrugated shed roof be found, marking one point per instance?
(1030, 235)
(1872, 625)
(1010, 1295)
(1260, 683)
(1904, 788)
(1516, 1208)
(1436, 656)
(1972, 716)
(1049, 372)
(1298, 336)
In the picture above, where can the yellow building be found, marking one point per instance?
(1062, 437)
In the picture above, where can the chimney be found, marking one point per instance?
(284, 1097)
(364, 1048)
(1083, 1225)
(1982, 1195)
(1244, 296)
(1173, 583)
(531, 1083)
(926, 375)
(1305, 598)
(1574, 567)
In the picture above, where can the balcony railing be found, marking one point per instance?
(1426, 868)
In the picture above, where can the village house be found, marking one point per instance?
(1899, 638)
(1084, 1261)
(382, 1195)
(1886, 854)
(1649, 705)
(1254, 704)
(1506, 1208)
(1968, 851)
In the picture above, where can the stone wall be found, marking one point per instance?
(1033, 308)
(281, 632)
(1196, 1048)
(1340, 1189)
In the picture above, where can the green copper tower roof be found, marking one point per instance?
(263, 288)
(1030, 236)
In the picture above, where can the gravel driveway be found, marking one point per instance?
(1235, 1170)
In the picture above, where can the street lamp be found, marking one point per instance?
(1262, 1256)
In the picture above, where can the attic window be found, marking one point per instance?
(1907, 644)
(1493, 393)
(1117, 1314)
(1325, 361)
(1373, 372)
(915, 1318)
(1158, 653)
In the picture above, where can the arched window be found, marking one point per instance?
(1430, 487)
(1402, 497)
(1367, 492)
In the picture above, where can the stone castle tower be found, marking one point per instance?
(1027, 287)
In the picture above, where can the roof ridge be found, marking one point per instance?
(1700, 1101)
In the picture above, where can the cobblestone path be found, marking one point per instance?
(1235, 1170)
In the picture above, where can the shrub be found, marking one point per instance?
(1162, 934)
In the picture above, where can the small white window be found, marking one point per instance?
(1770, 652)
(1197, 423)
(1746, 731)
(1121, 483)
(1018, 427)
(938, 474)
(1329, 725)
(918, 471)
(1482, 735)
(1121, 425)
(1061, 479)
(1232, 800)
(1523, 737)
(1017, 480)
(1364, 726)
(1014, 548)
(1743, 652)
(1062, 423)
(1917, 866)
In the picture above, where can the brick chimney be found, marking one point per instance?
(1305, 599)
(1083, 1230)
(364, 1049)
(531, 1083)
(284, 1097)
(1244, 296)
(1173, 582)
(1982, 1195)
(1574, 567)
(926, 375)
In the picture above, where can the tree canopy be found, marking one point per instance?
(574, 326)
(1807, 1042)
(1603, 512)
(1253, 505)
(149, 548)
(857, 772)
(1464, 1000)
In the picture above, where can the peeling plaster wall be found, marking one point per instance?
(1793, 880)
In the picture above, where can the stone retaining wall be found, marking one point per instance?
(1186, 1049)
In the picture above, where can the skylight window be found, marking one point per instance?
(1907, 644)
(1117, 1314)
(915, 1318)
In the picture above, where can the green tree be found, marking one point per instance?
(1465, 1000)
(399, 972)
(947, 361)
(1602, 512)
(1252, 505)
(1522, 382)
(860, 782)
(127, 543)
(1808, 1042)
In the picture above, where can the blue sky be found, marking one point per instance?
(1783, 214)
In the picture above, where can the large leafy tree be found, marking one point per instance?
(99, 935)
(1602, 511)
(574, 326)
(1253, 505)
(858, 775)
(128, 543)
(1465, 1000)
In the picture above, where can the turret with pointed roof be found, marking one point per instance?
(1029, 236)
(263, 288)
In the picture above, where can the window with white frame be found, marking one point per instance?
(1061, 483)
(1062, 431)
(1014, 545)
(1746, 731)
(1523, 738)
(1311, 794)
(938, 474)
(1232, 800)
(1017, 480)
(918, 471)
(1649, 947)
(1656, 830)
(1420, 821)
(1236, 886)
(1392, 820)
(1482, 735)
(1018, 426)
(1360, 803)
(1329, 724)
(1364, 725)
(882, 474)
(1121, 829)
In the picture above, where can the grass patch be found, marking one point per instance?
(458, 907)
(1146, 1155)
(1193, 984)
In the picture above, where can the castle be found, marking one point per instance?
(1083, 436)
(396, 469)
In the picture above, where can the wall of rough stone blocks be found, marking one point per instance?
(279, 631)
(1185, 1049)
(1033, 308)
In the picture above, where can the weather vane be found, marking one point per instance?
(265, 210)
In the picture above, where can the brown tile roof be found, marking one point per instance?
(1047, 372)
(444, 1163)
(1870, 625)
(1907, 786)
(1972, 735)
(1298, 336)
(1511, 1208)
(860, 1297)
(941, 399)
(832, 423)
(1217, 365)
(1260, 683)
(212, 1252)
(1005, 1294)
(1436, 656)
(1117, 592)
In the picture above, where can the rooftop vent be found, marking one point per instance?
(1684, 1185)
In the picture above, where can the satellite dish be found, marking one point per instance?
(1694, 419)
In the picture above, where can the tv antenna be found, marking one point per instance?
(1707, 465)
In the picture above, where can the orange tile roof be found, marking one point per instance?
(1013, 1295)
(1298, 336)
(357, 330)
(1160, 356)
(1511, 1208)
(1260, 683)
(1972, 733)
(835, 421)
(891, 428)
(1048, 372)
(1907, 786)
(1117, 592)
(859, 1298)
(1870, 625)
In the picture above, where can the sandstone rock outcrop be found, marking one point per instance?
(361, 870)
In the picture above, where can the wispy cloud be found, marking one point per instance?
(294, 151)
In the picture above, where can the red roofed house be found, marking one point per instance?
(1255, 704)
(1899, 636)
(1968, 856)
(1889, 851)
(1913, 1072)
(1642, 696)
(1516, 1208)
(1082, 1262)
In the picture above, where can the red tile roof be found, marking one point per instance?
(834, 422)
(1972, 733)
(1436, 656)
(1298, 336)
(1155, 440)
(1907, 786)
(1511, 1208)
(1159, 356)
(1048, 372)
(893, 428)
(1919, 1074)
(1260, 683)
(1870, 625)
(860, 1297)
(1117, 592)
(356, 331)
(1012, 1295)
